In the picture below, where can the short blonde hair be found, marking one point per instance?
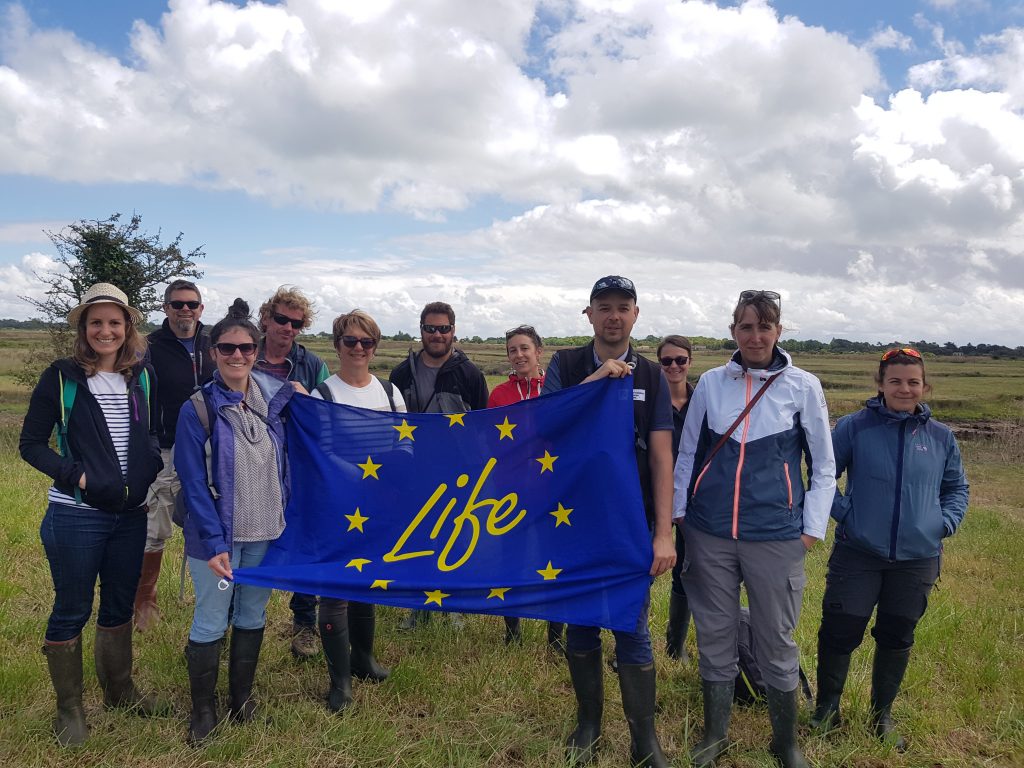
(359, 318)
(291, 297)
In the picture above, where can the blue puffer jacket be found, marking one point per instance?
(208, 525)
(905, 483)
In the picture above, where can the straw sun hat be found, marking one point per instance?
(104, 293)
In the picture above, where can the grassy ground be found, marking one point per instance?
(464, 699)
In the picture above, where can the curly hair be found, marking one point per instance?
(291, 297)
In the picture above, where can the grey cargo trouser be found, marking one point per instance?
(773, 572)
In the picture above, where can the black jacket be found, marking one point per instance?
(459, 386)
(179, 373)
(92, 450)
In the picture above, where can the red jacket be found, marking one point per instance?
(514, 390)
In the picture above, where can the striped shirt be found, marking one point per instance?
(111, 392)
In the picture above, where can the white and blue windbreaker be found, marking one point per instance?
(753, 489)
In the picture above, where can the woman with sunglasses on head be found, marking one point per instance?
(741, 503)
(234, 478)
(906, 491)
(347, 628)
(675, 354)
(100, 400)
(524, 347)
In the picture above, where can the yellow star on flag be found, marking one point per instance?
(405, 430)
(498, 592)
(549, 573)
(505, 429)
(455, 418)
(357, 563)
(369, 468)
(356, 520)
(547, 462)
(381, 584)
(561, 515)
(435, 597)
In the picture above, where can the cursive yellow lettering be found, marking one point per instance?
(393, 556)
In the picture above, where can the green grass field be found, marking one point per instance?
(464, 699)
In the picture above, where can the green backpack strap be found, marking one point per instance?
(144, 382)
(68, 390)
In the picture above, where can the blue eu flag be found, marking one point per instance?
(530, 510)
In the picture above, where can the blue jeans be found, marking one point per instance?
(630, 647)
(213, 604)
(81, 546)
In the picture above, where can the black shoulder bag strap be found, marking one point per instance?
(389, 391)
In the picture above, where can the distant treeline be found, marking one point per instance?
(836, 346)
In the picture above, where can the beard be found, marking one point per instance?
(186, 326)
(438, 355)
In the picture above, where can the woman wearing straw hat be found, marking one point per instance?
(100, 401)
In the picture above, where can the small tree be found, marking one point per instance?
(103, 251)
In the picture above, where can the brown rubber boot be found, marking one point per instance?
(147, 615)
(65, 663)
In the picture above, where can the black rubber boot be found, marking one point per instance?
(513, 630)
(203, 663)
(242, 661)
(783, 707)
(678, 625)
(717, 712)
(556, 638)
(362, 628)
(832, 671)
(335, 640)
(886, 677)
(587, 673)
(65, 664)
(113, 655)
(637, 683)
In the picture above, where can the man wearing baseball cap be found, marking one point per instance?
(613, 312)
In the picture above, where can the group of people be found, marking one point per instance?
(189, 427)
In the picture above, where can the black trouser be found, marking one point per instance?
(304, 609)
(858, 581)
(677, 583)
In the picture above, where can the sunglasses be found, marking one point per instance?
(351, 341)
(524, 330)
(901, 351)
(680, 360)
(248, 349)
(746, 296)
(285, 320)
(428, 329)
(193, 305)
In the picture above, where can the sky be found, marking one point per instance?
(864, 159)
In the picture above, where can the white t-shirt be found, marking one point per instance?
(371, 396)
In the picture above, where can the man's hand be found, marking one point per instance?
(664, 554)
(611, 369)
(808, 540)
(299, 388)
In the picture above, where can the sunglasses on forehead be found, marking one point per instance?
(351, 341)
(526, 330)
(285, 320)
(193, 305)
(909, 351)
(445, 329)
(680, 360)
(248, 349)
(746, 296)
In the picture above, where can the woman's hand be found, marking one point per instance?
(808, 540)
(221, 565)
(664, 554)
(81, 481)
(299, 388)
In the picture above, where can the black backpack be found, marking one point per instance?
(325, 391)
(206, 415)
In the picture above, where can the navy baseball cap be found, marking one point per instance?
(613, 283)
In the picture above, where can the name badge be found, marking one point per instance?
(640, 394)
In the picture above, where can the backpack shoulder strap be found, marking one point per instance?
(325, 391)
(202, 409)
(68, 390)
(144, 383)
(389, 390)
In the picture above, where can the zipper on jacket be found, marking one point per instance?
(739, 463)
(789, 484)
(897, 502)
